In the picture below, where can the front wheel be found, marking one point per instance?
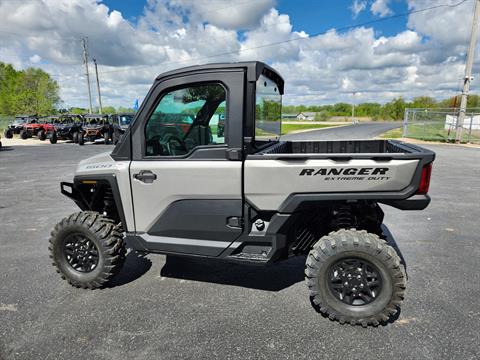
(75, 137)
(8, 133)
(80, 138)
(106, 137)
(87, 249)
(355, 277)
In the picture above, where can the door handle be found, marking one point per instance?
(145, 176)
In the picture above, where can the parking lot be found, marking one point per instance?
(169, 308)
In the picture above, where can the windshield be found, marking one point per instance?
(125, 119)
(268, 110)
(19, 121)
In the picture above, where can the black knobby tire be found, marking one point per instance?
(23, 135)
(80, 139)
(115, 137)
(75, 137)
(105, 239)
(53, 138)
(8, 133)
(344, 246)
(106, 137)
(41, 135)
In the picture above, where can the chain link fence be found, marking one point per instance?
(440, 125)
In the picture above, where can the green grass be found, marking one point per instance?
(434, 131)
(392, 134)
(288, 128)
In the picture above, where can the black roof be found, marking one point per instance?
(254, 70)
(95, 116)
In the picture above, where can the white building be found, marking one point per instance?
(306, 115)
(473, 121)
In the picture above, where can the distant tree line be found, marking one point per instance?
(105, 110)
(29, 91)
(392, 110)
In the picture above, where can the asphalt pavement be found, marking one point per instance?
(170, 308)
(348, 132)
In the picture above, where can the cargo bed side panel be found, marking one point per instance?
(268, 183)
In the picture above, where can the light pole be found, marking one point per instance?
(468, 73)
(353, 107)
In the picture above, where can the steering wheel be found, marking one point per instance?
(173, 144)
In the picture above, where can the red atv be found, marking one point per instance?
(38, 128)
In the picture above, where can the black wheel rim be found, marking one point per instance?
(354, 281)
(81, 253)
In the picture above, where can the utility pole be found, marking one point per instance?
(353, 108)
(468, 73)
(98, 89)
(85, 60)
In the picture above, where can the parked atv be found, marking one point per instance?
(38, 128)
(120, 123)
(65, 127)
(17, 125)
(95, 127)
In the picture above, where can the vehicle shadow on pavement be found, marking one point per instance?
(136, 264)
(274, 277)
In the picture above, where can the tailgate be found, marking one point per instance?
(269, 182)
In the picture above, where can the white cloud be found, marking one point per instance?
(424, 59)
(357, 7)
(34, 59)
(380, 8)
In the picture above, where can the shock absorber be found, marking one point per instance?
(342, 218)
(108, 202)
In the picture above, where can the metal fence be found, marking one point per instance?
(440, 125)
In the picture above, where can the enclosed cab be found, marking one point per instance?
(120, 123)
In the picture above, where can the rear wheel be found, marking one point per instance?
(23, 134)
(87, 249)
(41, 135)
(8, 133)
(80, 139)
(355, 277)
(53, 138)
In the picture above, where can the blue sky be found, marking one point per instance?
(420, 54)
(311, 16)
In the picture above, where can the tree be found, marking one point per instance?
(30, 91)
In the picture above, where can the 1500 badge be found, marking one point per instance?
(364, 173)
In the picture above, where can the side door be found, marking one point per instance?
(187, 196)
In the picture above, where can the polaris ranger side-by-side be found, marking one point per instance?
(120, 123)
(243, 195)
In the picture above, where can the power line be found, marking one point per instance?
(340, 29)
(238, 51)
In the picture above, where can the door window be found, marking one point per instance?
(186, 118)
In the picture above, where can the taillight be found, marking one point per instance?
(425, 180)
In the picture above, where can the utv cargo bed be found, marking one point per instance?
(346, 147)
(386, 170)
